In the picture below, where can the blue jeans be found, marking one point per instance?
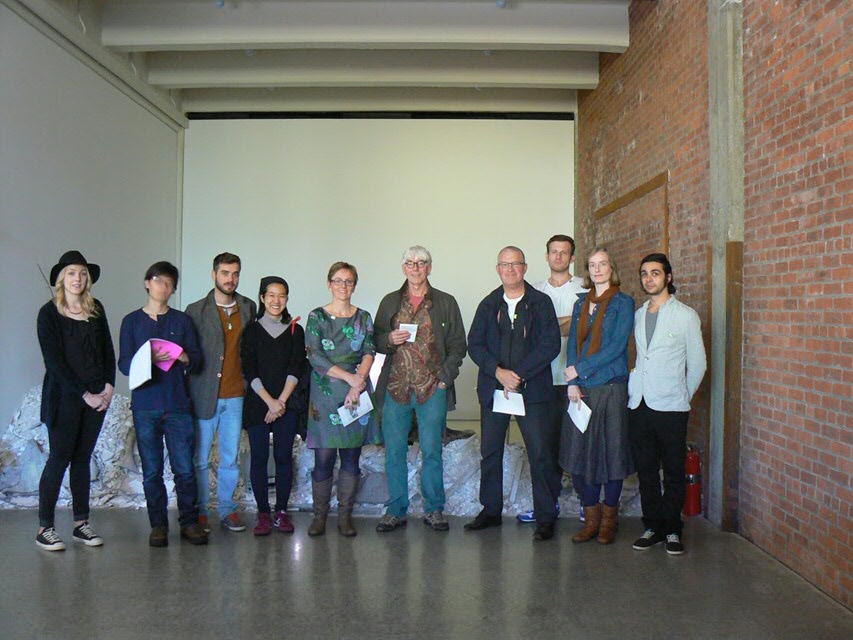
(228, 420)
(176, 428)
(396, 424)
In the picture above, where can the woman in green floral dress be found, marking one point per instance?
(339, 341)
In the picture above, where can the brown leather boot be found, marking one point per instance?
(322, 494)
(609, 522)
(347, 487)
(592, 517)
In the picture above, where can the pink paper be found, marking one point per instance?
(174, 351)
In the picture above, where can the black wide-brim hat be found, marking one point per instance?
(74, 257)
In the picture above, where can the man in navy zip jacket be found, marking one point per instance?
(513, 339)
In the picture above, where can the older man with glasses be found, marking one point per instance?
(513, 339)
(420, 330)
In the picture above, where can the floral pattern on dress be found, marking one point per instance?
(344, 342)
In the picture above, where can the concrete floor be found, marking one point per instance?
(412, 583)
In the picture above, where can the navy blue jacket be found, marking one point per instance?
(541, 344)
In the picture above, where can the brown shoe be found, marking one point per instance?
(322, 494)
(194, 534)
(347, 488)
(592, 516)
(159, 537)
(609, 522)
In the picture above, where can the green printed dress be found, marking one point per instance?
(329, 341)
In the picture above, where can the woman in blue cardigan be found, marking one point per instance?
(272, 353)
(597, 372)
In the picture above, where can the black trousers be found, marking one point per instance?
(541, 439)
(72, 438)
(659, 439)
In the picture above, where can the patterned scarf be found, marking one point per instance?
(583, 321)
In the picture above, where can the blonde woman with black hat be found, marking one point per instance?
(78, 384)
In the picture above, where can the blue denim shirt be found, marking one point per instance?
(610, 362)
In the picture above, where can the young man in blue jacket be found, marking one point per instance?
(513, 339)
(161, 406)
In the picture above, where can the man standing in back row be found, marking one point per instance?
(563, 289)
(217, 387)
(670, 366)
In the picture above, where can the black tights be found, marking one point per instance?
(324, 462)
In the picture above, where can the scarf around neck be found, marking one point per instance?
(583, 322)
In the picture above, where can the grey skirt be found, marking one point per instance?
(603, 451)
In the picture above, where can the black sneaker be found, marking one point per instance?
(50, 540)
(673, 544)
(86, 534)
(648, 540)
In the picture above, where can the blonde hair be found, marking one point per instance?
(87, 302)
(615, 281)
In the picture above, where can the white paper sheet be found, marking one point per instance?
(580, 414)
(364, 406)
(513, 405)
(140, 366)
(411, 328)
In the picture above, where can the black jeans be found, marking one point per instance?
(72, 440)
(541, 436)
(283, 433)
(659, 439)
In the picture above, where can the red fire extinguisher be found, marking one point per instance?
(693, 478)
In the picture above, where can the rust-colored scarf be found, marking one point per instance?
(583, 321)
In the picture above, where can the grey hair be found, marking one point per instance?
(416, 252)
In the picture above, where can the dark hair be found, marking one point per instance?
(667, 268)
(162, 268)
(226, 258)
(560, 237)
(340, 264)
(265, 284)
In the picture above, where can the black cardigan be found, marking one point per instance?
(60, 379)
(271, 360)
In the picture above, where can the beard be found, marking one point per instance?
(224, 291)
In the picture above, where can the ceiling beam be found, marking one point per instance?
(583, 25)
(374, 68)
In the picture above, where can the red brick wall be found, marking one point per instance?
(649, 114)
(796, 489)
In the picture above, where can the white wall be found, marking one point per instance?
(292, 196)
(81, 167)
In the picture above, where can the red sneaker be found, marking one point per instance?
(282, 522)
(264, 525)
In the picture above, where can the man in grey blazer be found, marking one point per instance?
(670, 366)
(217, 387)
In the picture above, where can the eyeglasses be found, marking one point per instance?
(514, 265)
(340, 282)
(411, 264)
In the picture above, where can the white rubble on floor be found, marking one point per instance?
(117, 471)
